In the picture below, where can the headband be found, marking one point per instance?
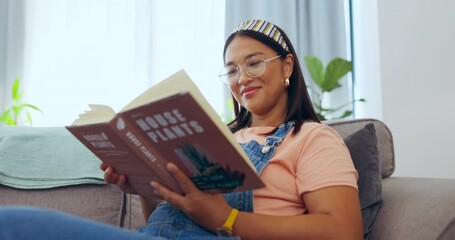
(265, 28)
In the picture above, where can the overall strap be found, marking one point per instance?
(271, 143)
(259, 155)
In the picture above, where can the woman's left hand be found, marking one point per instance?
(208, 209)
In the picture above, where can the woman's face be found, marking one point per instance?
(264, 96)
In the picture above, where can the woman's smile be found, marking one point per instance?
(248, 92)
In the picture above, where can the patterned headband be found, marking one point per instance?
(265, 28)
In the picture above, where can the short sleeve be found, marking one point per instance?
(324, 160)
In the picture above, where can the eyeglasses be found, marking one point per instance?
(253, 67)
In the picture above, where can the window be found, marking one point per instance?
(108, 51)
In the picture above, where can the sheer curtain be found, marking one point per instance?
(314, 27)
(189, 34)
(11, 46)
(75, 52)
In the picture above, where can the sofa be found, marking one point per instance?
(395, 207)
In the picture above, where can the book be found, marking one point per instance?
(170, 122)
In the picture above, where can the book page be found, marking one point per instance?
(177, 83)
(97, 114)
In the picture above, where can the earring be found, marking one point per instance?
(286, 82)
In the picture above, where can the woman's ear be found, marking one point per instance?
(288, 65)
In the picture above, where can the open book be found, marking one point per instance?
(170, 122)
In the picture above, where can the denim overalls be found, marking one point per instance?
(169, 222)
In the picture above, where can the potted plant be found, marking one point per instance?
(327, 79)
(11, 115)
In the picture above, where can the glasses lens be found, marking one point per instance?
(229, 74)
(255, 66)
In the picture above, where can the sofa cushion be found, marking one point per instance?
(364, 152)
(383, 136)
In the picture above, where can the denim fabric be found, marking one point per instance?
(169, 222)
(21, 223)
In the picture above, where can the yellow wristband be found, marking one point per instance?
(226, 230)
(229, 224)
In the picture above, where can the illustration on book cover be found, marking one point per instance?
(207, 175)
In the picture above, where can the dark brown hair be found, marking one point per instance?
(299, 106)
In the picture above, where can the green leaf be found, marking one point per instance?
(336, 69)
(345, 114)
(326, 109)
(317, 107)
(10, 121)
(18, 97)
(6, 118)
(33, 107)
(15, 89)
(320, 117)
(5, 115)
(29, 118)
(316, 69)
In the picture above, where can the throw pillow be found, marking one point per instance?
(365, 154)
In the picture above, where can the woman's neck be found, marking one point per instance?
(267, 121)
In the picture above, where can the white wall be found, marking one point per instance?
(417, 82)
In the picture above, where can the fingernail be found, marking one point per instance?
(171, 167)
(154, 184)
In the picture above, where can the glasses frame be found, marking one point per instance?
(241, 67)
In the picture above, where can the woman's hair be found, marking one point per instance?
(299, 106)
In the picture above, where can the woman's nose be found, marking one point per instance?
(244, 77)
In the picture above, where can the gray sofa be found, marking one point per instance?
(410, 208)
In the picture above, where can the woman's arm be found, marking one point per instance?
(333, 213)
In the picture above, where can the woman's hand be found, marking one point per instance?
(112, 177)
(209, 210)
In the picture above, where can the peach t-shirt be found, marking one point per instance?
(314, 158)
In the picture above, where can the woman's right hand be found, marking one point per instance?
(112, 177)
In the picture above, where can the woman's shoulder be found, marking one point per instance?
(315, 127)
(316, 130)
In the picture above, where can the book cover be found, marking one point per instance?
(170, 122)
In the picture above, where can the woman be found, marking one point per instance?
(310, 179)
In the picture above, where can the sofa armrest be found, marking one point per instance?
(416, 208)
